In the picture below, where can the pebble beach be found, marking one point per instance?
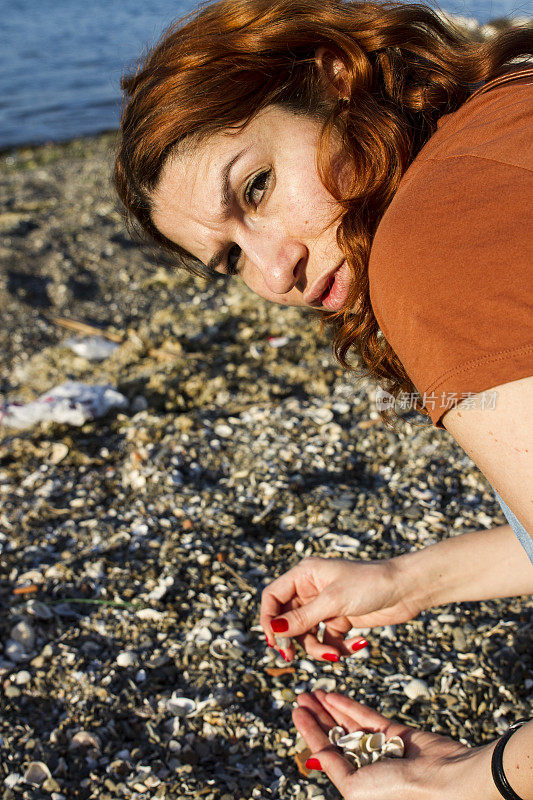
(134, 548)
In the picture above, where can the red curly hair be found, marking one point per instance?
(405, 66)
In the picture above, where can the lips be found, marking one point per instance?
(331, 291)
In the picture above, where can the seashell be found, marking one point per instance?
(354, 758)
(37, 773)
(12, 779)
(203, 636)
(224, 649)
(321, 631)
(394, 747)
(235, 635)
(59, 451)
(335, 734)
(22, 677)
(15, 651)
(23, 633)
(362, 748)
(416, 688)
(181, 706)
(343, 543)
(173, 726)
(321, 415)
(85, 739)
(128, 658)
(349, 739)
(282, 642)
(39, 610)
(372, 741)
(150, 614)
(223, 431)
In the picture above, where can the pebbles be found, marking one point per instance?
(135, 660)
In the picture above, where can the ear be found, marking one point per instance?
(334, 72)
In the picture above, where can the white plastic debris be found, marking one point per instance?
(71, 403)
(278, 341)
(94, 348)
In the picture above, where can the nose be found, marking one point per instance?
(279, 259)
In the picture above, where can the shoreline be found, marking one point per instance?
(467, 24)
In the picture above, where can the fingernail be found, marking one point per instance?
(279, 625)
(283, 654)
(268, 643)
(313, 763)
(359, 644)
(331, 656)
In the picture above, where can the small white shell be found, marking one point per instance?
(416, 688)
(349, 739)
(224, 649)
(394, 747)
(321, 631)
(37, 773)
(353, 757)
(373, 741)
(128, 658)
(180, 706)
(335, 734)
(85, 739)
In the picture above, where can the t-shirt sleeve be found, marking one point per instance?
(451, 278)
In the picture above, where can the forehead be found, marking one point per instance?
(190, 179)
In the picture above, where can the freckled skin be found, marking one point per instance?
(288, 240)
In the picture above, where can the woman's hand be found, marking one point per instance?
(434, 767)
(341, 593)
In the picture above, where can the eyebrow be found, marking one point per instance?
(225, 192)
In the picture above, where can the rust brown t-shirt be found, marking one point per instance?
(451, 265)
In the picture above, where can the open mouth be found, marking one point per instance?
(336, 292)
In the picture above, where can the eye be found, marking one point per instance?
(233, 260)
(257, 187)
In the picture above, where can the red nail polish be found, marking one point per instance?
(279, 625)
(284, 655)
(359, 645)
(330, 656)
(268, 643)
(313, 763)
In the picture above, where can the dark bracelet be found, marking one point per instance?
(498, 775)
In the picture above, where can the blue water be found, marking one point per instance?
(62, 59)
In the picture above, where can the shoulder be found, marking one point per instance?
(450, 277)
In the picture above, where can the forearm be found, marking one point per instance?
(517, 766)
(482, 565)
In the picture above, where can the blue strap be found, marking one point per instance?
(523, 536)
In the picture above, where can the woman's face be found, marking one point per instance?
(251, 203)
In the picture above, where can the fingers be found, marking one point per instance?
(374, 782)
(278, 593)
(309, 702)
(356, 716)
(331, 649)
(329, 759)
(304, 618)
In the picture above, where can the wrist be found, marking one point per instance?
(418, 584)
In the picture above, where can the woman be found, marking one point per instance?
(366, 160)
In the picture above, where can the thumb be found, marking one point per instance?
(300, 620)
(337, 768)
